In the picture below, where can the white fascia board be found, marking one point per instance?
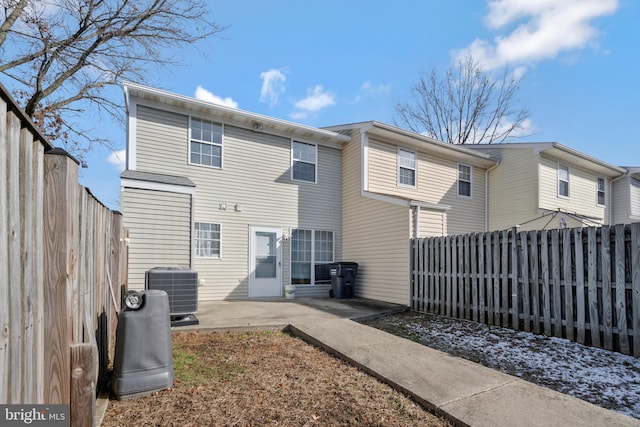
(156, 186)
(256, 121)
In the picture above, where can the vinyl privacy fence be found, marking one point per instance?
(62, 265)
(582, 284)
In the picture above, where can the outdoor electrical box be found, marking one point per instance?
(143, 360)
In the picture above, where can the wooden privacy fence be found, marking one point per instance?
(62, 261)
(582, 284)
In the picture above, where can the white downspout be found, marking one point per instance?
(486, 196)
(417, 223)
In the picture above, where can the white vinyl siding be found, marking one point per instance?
(159, 224)
(406, 167)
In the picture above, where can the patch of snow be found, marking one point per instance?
(605, 378)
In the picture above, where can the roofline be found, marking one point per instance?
(542, 147)
(371, 126)
(136, 89)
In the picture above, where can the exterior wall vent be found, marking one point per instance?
(180, 284)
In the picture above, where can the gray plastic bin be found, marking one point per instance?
(143, 360)
(343, 279)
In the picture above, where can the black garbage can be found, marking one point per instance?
(343, 279)
(143, 360)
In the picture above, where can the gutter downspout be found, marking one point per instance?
(416, 224)
(486, 195)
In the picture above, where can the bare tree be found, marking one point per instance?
(62, 55)
(465, 106)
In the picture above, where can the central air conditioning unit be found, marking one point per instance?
(181, 286)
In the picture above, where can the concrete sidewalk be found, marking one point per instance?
(465, 392)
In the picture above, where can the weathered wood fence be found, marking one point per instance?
(582, 284)
(62, 265)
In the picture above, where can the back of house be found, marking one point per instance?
(250, 202)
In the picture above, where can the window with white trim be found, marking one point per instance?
(406, 167)
(563, 180)
(205, 143)
(464, 180)
(601, 192)
(207, 239)
(311, 253)
(304, 158)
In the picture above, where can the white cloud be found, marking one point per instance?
(543, 30)
(272, 86)
(298, 115)
(117, 158)
(204, 95)
(317, 99)
(370, 89)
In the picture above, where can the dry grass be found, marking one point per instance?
(265, 378)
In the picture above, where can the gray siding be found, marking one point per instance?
(159, 225)
(255, 177)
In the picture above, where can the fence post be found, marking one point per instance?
(607, 312)
(635, 286)
(60, 259)
(592, 284)
(83, 385)
(621, 303)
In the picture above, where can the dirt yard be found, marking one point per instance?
(261, 379)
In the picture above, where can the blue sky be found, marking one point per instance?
(335, 62)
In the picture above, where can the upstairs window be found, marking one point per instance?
(464, 180)
(304, 161)
(601, 195)
(563, 180)
(406, 167)
(205, 145)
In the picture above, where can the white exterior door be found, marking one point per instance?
(265, 265)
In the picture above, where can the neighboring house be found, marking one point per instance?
(626, 197)
(250, 202)
(397, 185)
(547, 185)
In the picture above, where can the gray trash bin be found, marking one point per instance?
(143, 360)
(343, 279)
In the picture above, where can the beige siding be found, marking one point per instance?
(159, 224)
(256, 178)
(582, 198)
(513, 189)
(621, 192)
(437, 182)
(376, 236)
